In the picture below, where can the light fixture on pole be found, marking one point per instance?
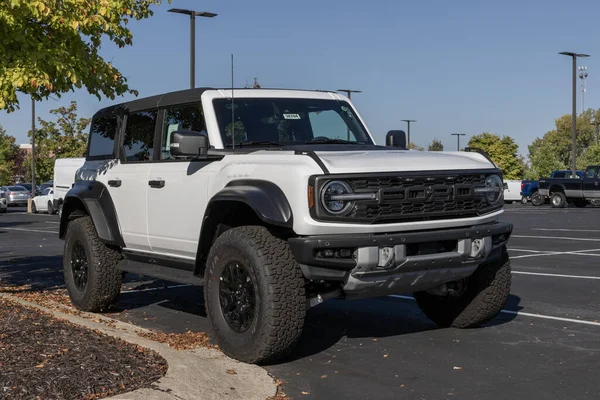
(408, 121)
(193, 14)
(583, 76)
(574, 112)
(349, 93)
(458, 135)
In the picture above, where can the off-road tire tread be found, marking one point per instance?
(284, 306)
(107, 285)
(487, 291)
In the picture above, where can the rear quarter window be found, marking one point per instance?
(101, 144)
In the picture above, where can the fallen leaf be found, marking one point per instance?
(385, 356)
(401, 386)
(323, 376)
(374, 340)
(305, 393)
(40, 365)
(231, 372)
(458, 367)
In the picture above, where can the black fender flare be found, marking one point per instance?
(93, 199)
(557, 187)
(266, 199)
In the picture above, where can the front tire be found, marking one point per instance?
(558, 200)
(50, 208)
(33, 208)
(524, 200)
(90, 267)
(483, 297)
(254, 295)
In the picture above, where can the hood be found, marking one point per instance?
(395, 160)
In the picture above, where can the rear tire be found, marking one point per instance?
(90, 267)
(537, 199)
(485, 294)
(271, 304)
(558, 200)
(50, 208)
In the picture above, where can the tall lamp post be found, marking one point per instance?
(458, 135)
(408, 121)
(193, 14)
(574, 112)
(349, 93)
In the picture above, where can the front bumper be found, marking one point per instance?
(377, 265)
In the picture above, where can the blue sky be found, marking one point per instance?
(455, 66)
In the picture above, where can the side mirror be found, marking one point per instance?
(396, 139)
(188, 144)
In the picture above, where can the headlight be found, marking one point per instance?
(333, 197)
(493, 190)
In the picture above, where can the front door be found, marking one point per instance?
(591, 188)
(177, 191)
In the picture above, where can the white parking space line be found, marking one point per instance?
(27, 230)
(555, 275)
(566, 230)
(554, 253)
(37, 215)
(528, 251)
(556, 238)
(525, 314)
(52, 222)
(153, 289)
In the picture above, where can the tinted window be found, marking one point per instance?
(559, 175)
(139, 136)
(189, 117)
(102, 136)
(590, 173)
(46, 192)
(288, 121)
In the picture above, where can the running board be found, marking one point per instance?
(160, 272)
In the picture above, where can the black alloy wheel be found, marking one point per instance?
(237, 297)
(79, 265)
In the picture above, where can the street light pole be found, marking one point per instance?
(193, 14)
(458, 135)
(32, 147)
(408, 121)
(574, 112)
(349, 93)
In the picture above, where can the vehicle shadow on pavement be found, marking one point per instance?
(37, 271)
(329, 323)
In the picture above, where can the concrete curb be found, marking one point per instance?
(192, 374)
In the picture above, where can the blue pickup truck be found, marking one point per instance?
(529, 189)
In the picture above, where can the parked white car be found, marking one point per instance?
(3, 201)
(43, 202)
(512, 190)
(64, 179)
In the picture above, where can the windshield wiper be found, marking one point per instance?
(331, 141)
(257, 143)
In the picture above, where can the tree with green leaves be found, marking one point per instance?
(52, 46)
(503, 151)
(436, 145)
(64, 138)
(414, 146)
(9, 153)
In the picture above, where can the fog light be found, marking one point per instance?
(386, 257)
(328, 253)
(477, 248)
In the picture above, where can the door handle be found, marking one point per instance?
(157, 184)
(114, 182)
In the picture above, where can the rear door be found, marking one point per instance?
(591, 188)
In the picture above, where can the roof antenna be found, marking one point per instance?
(232, 108)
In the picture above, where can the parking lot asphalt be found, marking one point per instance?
(545, 344)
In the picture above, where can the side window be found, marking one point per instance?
(329, 124)
(102, 136)
(590, 173)
(46, 192)
(559, 175)
(139, 136)
(188, 117)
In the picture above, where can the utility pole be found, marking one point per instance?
(574, 112)
(583, 76)
(408, 121)
(193, 14)
(349, 93)
(458, 135)
(32, 148)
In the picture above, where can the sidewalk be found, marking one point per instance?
(202, 373)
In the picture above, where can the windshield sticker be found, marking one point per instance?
(291, 116)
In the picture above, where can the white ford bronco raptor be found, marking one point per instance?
(275, 201)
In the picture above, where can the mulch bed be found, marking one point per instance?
(42, 357)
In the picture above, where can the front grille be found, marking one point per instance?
(417, 197)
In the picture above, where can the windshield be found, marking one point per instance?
(288, 121)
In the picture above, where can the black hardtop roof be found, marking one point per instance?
(177, 97)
